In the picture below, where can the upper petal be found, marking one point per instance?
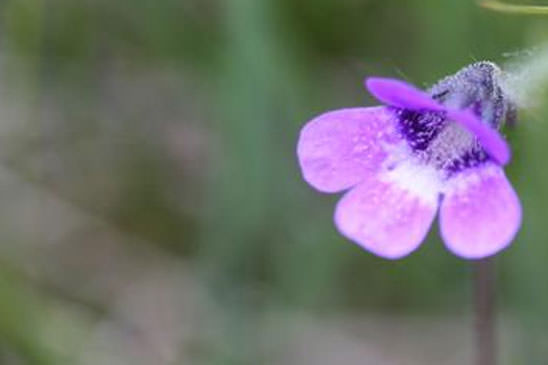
(391, 215)
(480, 212)
(339, 149)
(489, 138)
(401, 94)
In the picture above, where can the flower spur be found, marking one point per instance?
(422, 152)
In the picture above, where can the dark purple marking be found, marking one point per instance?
(471, 158)
(419, 127)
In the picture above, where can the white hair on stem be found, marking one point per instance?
(525, 79)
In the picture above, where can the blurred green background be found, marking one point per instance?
(152, 210)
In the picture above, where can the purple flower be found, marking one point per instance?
(423, 151)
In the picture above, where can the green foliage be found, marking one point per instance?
(246, 74)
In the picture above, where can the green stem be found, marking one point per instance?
(484, 302)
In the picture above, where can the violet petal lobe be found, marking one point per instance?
(480, 212)
(391, 215)
(401, 94)
(489, 138)
(340, 149)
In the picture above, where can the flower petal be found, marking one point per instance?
(489, 138)
(480, 212)
(390, 216)
(401, 94)
(339, 149)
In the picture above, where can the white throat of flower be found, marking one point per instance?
(407, 171)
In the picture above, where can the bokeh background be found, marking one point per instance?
(151, 206)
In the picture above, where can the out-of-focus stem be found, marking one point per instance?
(484, 302)
(512, 8)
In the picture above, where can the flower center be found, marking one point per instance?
(439, 142)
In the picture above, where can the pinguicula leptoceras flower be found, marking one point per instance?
(422, 152)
